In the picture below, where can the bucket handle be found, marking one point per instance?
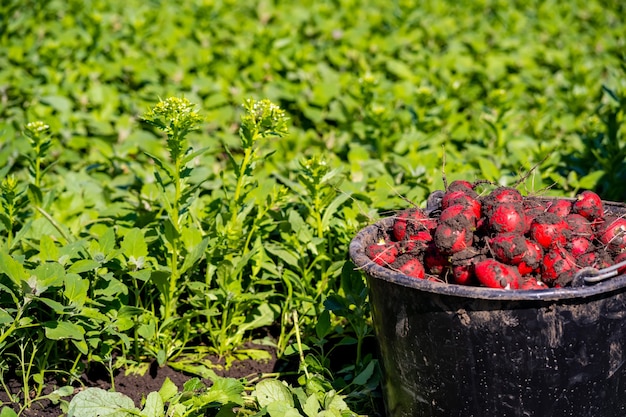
(591, 275)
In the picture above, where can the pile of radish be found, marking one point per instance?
(502, 239)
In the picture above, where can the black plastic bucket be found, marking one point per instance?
(451, 350)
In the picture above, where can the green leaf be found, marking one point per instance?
(283, 254)
(5, 317)
(323, 326)
(96, 402)
(282, 409)
(48, 250)
(163, 166)
(194, 154)
(48, 274)
(7, 412)
(168, 390)
(194, 255)
(488, 169)
(83, 265)
(311, 406)
(223, 391)
(330, 211)
(589, 181)
(14, 270)
(262, 315)
(154, 406)
(107, 241)
(76, 289)
(399, 69)
(134, 244)
(59, 330)
(271, 390)
(334, 402)
(365, 374)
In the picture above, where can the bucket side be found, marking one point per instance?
(453, 356)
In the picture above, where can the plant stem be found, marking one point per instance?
(174, 218)
(247, 156)
(299, 342)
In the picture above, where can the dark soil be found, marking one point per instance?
(134, 386)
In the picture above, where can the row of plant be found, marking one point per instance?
(136, 228)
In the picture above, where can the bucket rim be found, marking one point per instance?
(373, 270)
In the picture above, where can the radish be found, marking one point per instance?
(435, 262)
(507, 217)
(559, 265)
(532, 283)
(560, 207)
(462, 274)
(595, 259)
(452, 237)
(461, 185)
(579, 225)
(413, 268)
(579, 245)
(589, 205)
(498, 196)
(383, 253)
(612, 233)
(411, 221)
(531, 261)
(509, 248)
(464, 199)
(549, 229)
(494, 274)
(459, 210)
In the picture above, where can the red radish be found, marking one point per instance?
(413, 268)
(507, 217)
(416, 244)
(494, 274)
(589, 205)
(579, 245)
(533, 208)
(499, 196)
(382, 253)
(462, 198)
(506, 195)
(531, 261)
(421, 236)
(461, 185)
(595, 259)
(409, 221)
(458, 210)
(435, 262)
(449, 238)
(557, 262)
(532, 283)
(549, 229)
(560, 207)
(612, 233)
(579, 225)
(509, 248)
(462, 274)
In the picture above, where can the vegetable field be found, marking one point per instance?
(180, 181)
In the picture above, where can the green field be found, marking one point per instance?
(178, 176)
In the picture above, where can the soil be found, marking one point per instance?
(137, 387)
